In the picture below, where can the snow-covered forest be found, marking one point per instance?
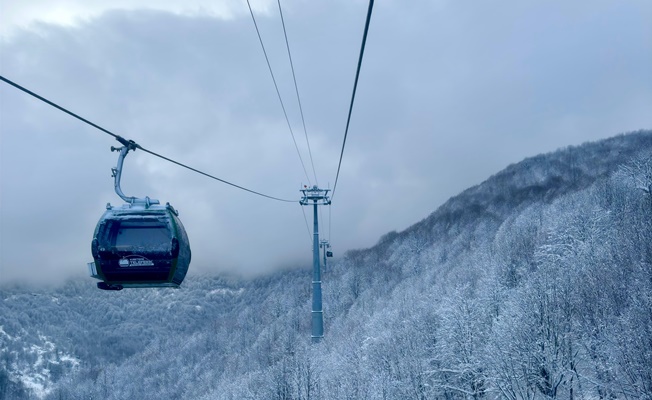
(535, 284)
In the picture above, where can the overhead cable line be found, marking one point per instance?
(296, 89)
(355, 86)
(133, 144)
(216, 178)
(43, 99)
(260, 39)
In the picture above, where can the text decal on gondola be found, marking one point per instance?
(135, 261)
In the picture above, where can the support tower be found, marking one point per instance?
(316, 197)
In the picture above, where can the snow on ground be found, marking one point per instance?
(35, 374)
(5, 334)
(39, 384)
(226, 291)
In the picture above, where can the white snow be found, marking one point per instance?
(37, 384)
(2, 332)
(225, 291)
(68, 358)
(35, 376)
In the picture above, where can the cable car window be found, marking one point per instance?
(143, 234)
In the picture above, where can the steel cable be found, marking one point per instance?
(280, 99)
(135, 145)
(355, 86)
(296, 89)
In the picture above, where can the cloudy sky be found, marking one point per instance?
(450, 93)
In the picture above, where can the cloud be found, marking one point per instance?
(74, 13)
(449, 93)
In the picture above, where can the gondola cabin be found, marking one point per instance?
(139, 245)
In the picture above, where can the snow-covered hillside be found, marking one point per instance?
(536, 283)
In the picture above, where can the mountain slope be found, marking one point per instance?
(536, 283)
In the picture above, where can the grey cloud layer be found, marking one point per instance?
(449, 94)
